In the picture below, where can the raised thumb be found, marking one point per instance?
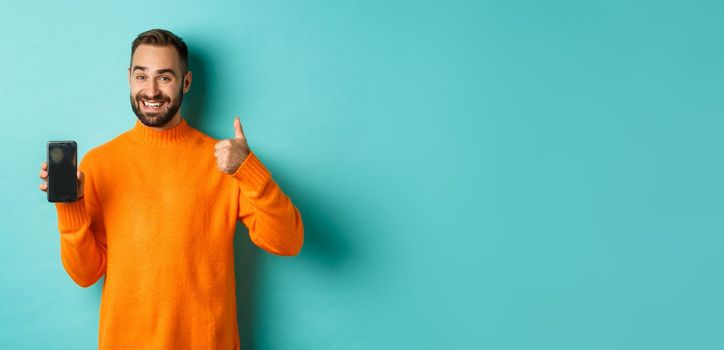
(239, 133)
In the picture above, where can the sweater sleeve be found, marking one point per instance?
(274, 223)
(82, 234)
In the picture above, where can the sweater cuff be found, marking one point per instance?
(252, 175)
(72, 216)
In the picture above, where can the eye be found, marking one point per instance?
(140, 77)
(167, 78)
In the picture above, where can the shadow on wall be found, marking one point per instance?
(246, 265)
(193, 107)
(324, 244)
(325, 251)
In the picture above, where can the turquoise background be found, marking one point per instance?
(471, 174)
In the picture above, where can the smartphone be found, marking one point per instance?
(62, 168)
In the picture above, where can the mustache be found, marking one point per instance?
(158, 97)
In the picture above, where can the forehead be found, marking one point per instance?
(156, 57)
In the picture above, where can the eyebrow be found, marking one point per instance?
(159, 71)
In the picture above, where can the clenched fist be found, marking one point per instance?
(230, 153)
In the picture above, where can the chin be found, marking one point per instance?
(155, 121)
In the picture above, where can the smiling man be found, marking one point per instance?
(156, 102)
(156, 214)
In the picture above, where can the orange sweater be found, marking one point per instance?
(158, 219)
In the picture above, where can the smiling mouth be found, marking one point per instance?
(152, 105)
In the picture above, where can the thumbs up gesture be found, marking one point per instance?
(230, 153)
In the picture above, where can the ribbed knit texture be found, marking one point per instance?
(158, 219)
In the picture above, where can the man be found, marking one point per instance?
(157, 211)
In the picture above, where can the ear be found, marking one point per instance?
(187, 82)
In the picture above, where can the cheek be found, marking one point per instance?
(173, 93)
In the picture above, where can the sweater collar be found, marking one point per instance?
(147, 135)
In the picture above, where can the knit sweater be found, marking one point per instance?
(158, 219)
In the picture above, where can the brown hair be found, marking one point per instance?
(162, 37)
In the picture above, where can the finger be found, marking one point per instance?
(220, 144)
(44, 166)
(239, 132)
(44, 187)
(43, 174)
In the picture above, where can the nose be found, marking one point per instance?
(149, 90)
(153, 89)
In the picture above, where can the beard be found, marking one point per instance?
(161, 117)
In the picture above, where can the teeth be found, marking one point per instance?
(153, 104)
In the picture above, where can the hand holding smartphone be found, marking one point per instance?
(64, 182)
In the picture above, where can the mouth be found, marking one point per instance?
(152, 106)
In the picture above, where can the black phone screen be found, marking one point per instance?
(62, 165)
